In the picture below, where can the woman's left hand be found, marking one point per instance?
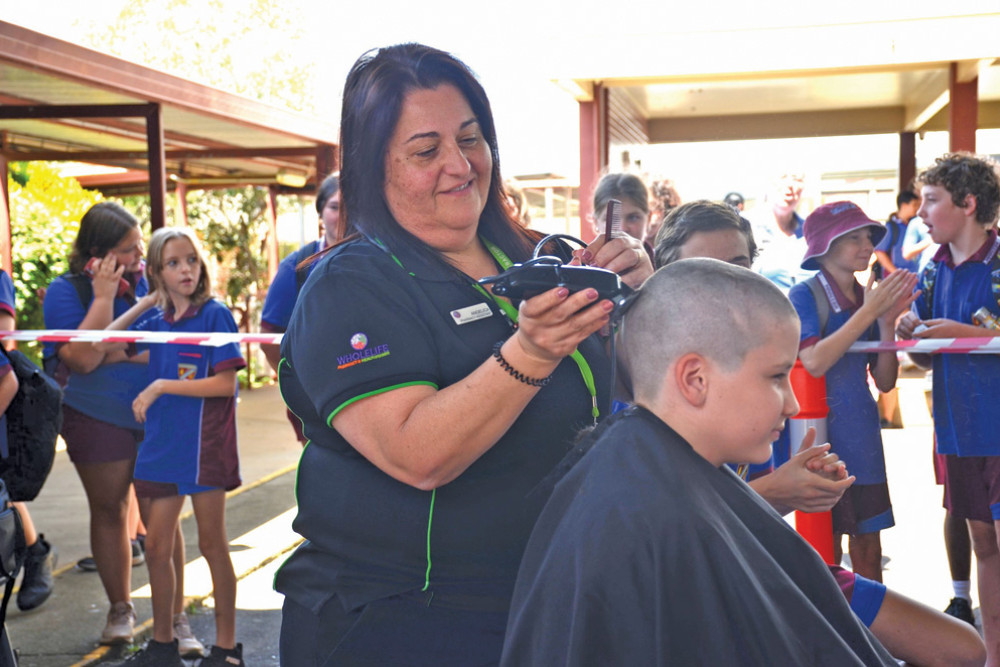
(624, 255)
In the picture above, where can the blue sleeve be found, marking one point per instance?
(805, 305)
(220, 320)
(7, 293)
(284, 290)
(885, 245)
(62, 308)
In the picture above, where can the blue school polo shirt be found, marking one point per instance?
(892, 243)
(284, 290)
(853, 423)
(7, 306)
(107, 392)
(367, 322)
(189, 440)
(966, 386)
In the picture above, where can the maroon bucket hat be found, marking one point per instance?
(828, 223)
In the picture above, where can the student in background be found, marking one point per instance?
(960, 202)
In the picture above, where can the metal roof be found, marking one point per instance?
(50, 89)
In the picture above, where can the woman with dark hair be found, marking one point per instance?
(101, 434)
(432, 407)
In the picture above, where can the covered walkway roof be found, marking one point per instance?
(61, 101)
(826, 78)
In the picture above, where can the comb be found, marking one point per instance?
(613, 220)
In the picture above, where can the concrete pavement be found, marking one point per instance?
(64, 631)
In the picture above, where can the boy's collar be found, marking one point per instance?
(841, 302)
(984, 254)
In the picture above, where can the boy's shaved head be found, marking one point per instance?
(705, 306)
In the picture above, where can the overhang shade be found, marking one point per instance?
(793, 81)
(51, 97)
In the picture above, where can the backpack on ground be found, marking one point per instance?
(34, 418)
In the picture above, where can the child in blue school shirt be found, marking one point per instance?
(840, 240)
(189, 448)
(961, 201)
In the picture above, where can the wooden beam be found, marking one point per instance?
(157, 168)
(33, 111)
(175, 154)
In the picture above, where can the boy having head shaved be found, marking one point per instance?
(650, 550)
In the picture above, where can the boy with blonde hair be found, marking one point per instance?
(651, 550)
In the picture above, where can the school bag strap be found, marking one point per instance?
(822, 303)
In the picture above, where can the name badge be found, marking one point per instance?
(471, 313)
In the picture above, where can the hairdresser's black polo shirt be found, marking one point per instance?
(368, 321)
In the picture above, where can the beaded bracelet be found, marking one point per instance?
(514, 372)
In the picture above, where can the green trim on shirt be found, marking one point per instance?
(329, 420)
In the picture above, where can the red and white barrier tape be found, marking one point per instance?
(95, 335)
(933, 346)
(922, 346)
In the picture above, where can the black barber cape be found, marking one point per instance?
(647, 554)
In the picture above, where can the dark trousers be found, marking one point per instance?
(407, 629)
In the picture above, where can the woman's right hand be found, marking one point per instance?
(552, 324)
(107, 275)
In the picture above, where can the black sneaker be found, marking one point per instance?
(155, 654)
(224, 657)
(36, 586)
(961, 609)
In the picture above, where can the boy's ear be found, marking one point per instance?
(691, 378)
(970, 204)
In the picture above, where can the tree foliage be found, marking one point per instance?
(45, 216)
(241, 47)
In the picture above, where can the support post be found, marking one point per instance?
(272, 233)
(907, 160)
(157, 167)
(963, 111)
(593, 156)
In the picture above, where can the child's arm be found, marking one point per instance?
(8, 387)
(884, 301)
(126, 319)
(221, 385)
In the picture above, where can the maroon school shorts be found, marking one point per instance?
(864, 508)
(972, 487)
(90, 440)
